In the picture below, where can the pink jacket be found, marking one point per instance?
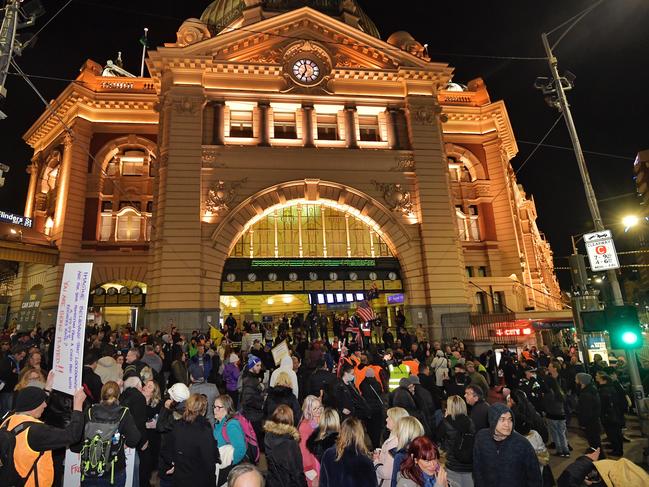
(309, 461)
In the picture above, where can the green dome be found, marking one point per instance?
(221, 13)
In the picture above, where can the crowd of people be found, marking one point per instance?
(224, 407)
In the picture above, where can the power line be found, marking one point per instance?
(46, 24)
(563, 147)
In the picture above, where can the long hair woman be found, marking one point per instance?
(282, 447)
(408, 429)
(282, 393)
(347, 464)
(109, 411)
(383, 459)
(228, 431)
(325, 435)
(421, 468)
(452, 433)
(195, 452)
(311, 412)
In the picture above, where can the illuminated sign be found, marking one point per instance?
(395, 298)
(15, 219)
(513, 332)
(313, 263)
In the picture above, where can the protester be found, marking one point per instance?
(421, 468)
(611, 413)
(408, 429)
(170, 414)
(231, 374)
(589, 411)
(281, 444)
(477, 379)
(456, 437)
(501, 456)
(382, 457)
(479, 407)
(228, 431)
(252, 399)
(311, 412)
(582, 469)
(281, 393)
(9, 371)
(347, 464)
(371, 392)
(195, 454)
(179, 372)
(200, 386)
(554, 405)
(286, 365)
(246, 475)
(325, 435)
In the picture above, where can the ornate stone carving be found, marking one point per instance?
(191, 32)
(404, 164)
(342, 61)
(187, 105)
(211, 158)
(396, 196)
(67, 140)
(272, 56)
(221, 196)
(425, 114)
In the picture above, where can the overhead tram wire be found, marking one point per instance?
(563, 147)
(46, 24)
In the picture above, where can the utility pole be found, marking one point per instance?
(14, 19)
(557, 87)
(3, 169)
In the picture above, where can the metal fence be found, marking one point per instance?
(476, 326)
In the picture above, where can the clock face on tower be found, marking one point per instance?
(306, 71)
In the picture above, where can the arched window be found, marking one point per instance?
(129, 224)
(459, 171)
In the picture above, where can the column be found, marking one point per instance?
(62, 183)
(32, 170)
(219, 122)
(264, 137)
(307, 130)
(350, 127)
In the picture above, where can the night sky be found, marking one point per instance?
(608, 52)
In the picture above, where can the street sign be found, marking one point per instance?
(601, 251)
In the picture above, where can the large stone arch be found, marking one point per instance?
(469, 159)
(390, 226)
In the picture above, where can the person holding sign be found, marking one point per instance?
(32, 455)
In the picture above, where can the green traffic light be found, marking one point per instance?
(629, 337)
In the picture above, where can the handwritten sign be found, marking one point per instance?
(279, 352)
(71, 327)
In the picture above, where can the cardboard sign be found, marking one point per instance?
(71, 327)
(279, 352)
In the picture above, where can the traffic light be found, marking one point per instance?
(623, 327)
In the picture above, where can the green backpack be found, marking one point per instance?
(102, 443)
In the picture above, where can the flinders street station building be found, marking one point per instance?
(282, 156)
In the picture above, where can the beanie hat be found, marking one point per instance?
(234, 358)
(584, 378)
(30, 398)
(252, 361)
(404, 382)
(179, 392)
(108, 369)
(414, 380)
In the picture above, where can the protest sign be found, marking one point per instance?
(279, 352)
(72, 473)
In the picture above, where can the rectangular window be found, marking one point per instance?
(285, 125)
(106, 206)
(106, 226)
(327, 127)
(498, 300)
(473, 224)
(481, 302)
(469, 271)
(369, 128)
(132, 168)
(128, 226)
(482, 271)
(241, 123)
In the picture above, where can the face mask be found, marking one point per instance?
(460, 376)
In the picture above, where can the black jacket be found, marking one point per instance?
(480, 415)
(428, 383)
(348, 397)
(426, 408)
(318, 447)
(612, 408)
(195, 453)
(401, 398)
(323, 380)
(455, 387)
(279, 395)
(352, 470)
(282, 448)
(136, 403)
(252, 399)
(449, 434)
(588, 407)
(371, 392)
(511, 461)
(92, 383)
(574, 474)
(553, 399)
(164, 426)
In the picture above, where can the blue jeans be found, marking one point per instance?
(557, 428)
(119, 481)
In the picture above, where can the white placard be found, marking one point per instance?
(279, 352)
(601, 251)
(72, 473)
(71, 327)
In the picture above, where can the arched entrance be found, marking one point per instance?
(311, 243)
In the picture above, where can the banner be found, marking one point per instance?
(72, 474)
(71, 327)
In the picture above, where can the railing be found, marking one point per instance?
(476, 326)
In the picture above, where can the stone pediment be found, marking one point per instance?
(266, 42)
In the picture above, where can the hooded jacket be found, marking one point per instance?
(589, 406)
(195, 453)
(511, 461)
(283, 455)
(318, 447)
(252, 399)
(279, 395)
(286, 365)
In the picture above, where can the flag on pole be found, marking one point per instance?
(365, 311)
(144, 40)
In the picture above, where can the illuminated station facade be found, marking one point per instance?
(280, 159)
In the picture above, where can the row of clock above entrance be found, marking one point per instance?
(313, 276)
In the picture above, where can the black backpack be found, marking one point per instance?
(102, 443)
(9, 477)
(463, 448)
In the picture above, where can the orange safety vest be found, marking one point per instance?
(24, 456)
(414, 366)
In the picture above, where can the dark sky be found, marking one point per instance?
(608, 52)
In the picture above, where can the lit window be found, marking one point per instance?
(481, 303)
(285, 125)
(369, 128)
(128, 224)
(241, 123)
(132, 163)
(106, 227)
(498, 301)
(327, 127)
(467, 224)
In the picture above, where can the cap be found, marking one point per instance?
(29, 398)
(179, 392)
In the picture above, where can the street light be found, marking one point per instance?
(630, 221)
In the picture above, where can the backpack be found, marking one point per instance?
(463, 448)
(102, 443)
(9, 477)
(252, 445)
